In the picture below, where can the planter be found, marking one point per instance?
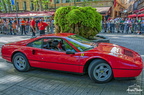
(100, 38)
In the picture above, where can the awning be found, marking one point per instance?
(28, 14)
(139, 11)
(133, 15)
(102, 9)
(141, 15)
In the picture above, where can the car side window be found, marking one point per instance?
(36, 44)
(56, 44)
(68, 47)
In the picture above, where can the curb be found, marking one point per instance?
(104, 39)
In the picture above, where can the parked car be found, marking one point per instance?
(73, 53)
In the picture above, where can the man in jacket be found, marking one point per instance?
(42, 25)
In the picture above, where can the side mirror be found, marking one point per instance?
(70, 52)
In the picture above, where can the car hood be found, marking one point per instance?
(116, 50)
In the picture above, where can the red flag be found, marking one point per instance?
(115, 3)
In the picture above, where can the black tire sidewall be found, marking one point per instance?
(27, 67)
(91, 68)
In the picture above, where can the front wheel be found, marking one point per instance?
(100, 71)
(20, 62)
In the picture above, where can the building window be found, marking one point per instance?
(24, 5)
(32, 6)
(78, 0)
(67, 1)
(57, 1)
(17, 5)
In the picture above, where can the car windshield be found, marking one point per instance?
(81, 43)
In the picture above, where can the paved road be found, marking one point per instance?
(46, 82)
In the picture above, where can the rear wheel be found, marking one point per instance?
(20, 62)
(100, 71)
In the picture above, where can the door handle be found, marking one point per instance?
(33, 52)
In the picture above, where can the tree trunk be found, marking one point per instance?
(40, 4)
(76, 30)
(9, 6)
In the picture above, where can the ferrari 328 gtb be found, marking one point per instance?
(72, 53)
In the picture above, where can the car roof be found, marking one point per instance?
(58, 35)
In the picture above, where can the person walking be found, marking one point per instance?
(33, 27)
(142, 25)
(122, 25)
(112, 26)
(42, 25)
(27, 25)
(1, 24)
(14, 27)
(23, 24)
(51, 25)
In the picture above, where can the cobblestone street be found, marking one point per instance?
(47, 82)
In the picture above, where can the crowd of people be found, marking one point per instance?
(124, 25)
(22, 26)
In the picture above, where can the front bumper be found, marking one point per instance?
(124, 73)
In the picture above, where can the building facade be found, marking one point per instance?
(138, 7)
(30, 5)
(119, 8)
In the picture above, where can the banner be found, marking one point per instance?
(13, 2)
(115, 3)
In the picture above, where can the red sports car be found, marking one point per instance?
(72, 53)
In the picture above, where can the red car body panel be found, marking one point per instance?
(124, 62)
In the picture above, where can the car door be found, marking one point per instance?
(55, 59)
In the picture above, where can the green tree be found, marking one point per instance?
(36, 5)
(41, 4)
(85, 21)
(45, 4)
(3, 4)
(9, 6)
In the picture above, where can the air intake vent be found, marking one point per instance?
(128, 53)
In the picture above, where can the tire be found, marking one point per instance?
(20, 62)
(100, 71)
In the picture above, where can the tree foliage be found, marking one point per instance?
(85, 21)
(6, 7)
(41, 4)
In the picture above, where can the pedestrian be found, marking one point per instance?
(112, 26)
(14, 27)
(126, 27)
(8, 27)
(134, 25)
(108, 26)
(42, 25)
(1, 24)
(117, 24)
(129, 25)
(33, 27)
(142, 25)
(27, 25)
(122, 25)
(37, 21)
(23, 24)
(51, 25)
(139, 25)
